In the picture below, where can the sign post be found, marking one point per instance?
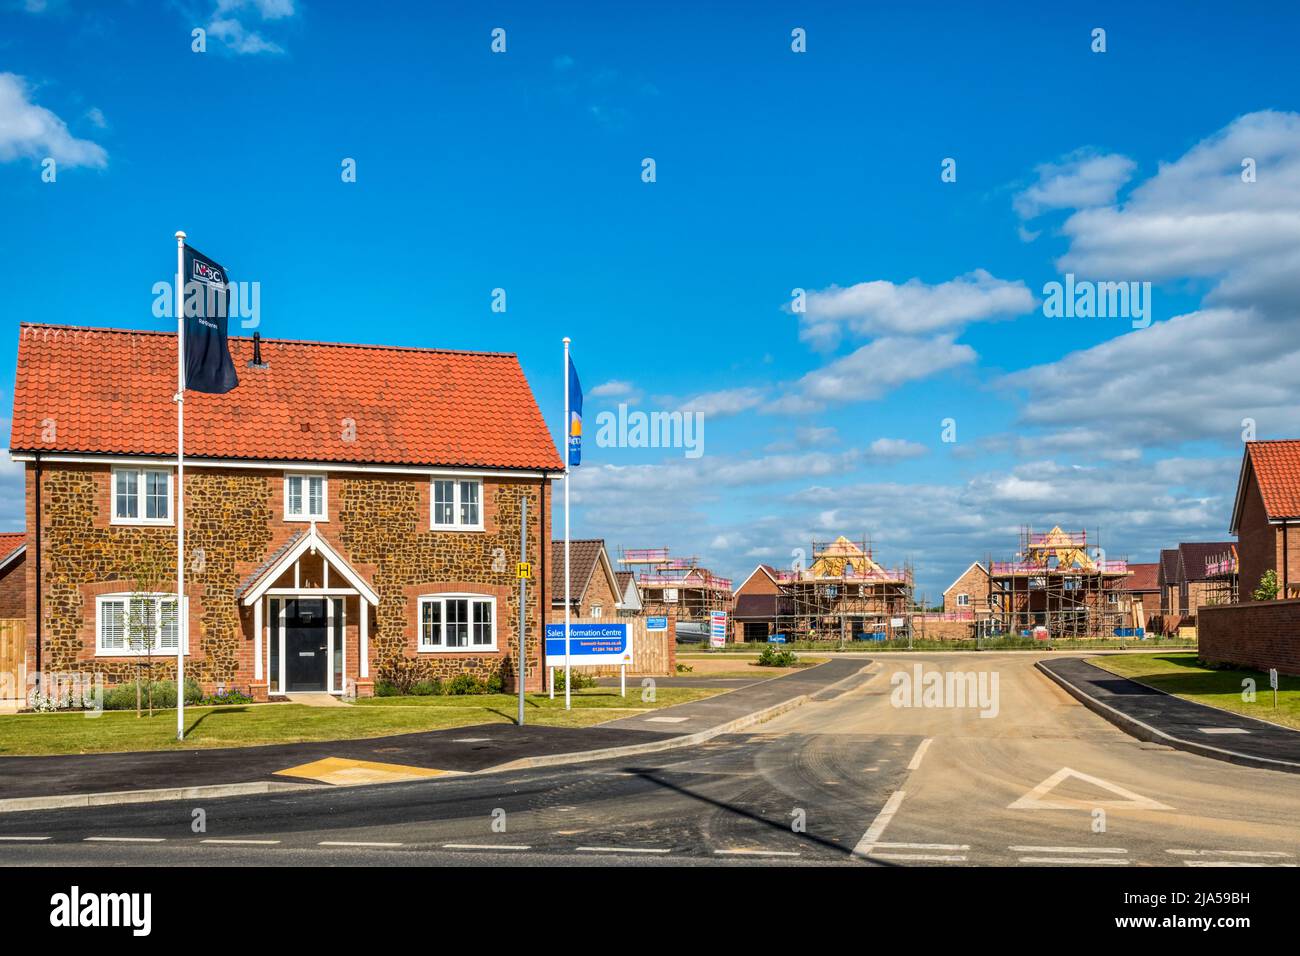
(1272, 682)
(717, 629)
(523, 569)
(591, 645)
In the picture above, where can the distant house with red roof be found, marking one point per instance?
(1143, 595)
(1266, 516)
(351, 511)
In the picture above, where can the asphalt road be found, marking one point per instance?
(848, 771)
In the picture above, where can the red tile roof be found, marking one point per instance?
(1277, 470)
(110, 391)
(11, 542)
(1145, 577)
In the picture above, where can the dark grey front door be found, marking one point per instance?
(306, 641)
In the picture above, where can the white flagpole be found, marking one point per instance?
(182, 621)
(568, 682)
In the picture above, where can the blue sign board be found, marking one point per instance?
(589, 644)
(776, 639)
(656, 624)
(872, 636)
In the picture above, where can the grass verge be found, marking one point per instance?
(246, 726)
(1184, 676)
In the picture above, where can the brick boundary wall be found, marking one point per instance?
(1256, 634)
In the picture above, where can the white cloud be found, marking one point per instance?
(880, 307)
(613, 389)
(878, 366)
(96, 116)
(1196, 375)
(28, 131)
(227, 26)
(1077, 181)
(730, 401)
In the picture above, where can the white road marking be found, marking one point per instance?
(1033, 800)
(354, 843)
(243, 842)
(920, 753)
(1067, 849)
(124, 839)
(1232, 863)
(1223, 730)
(485, 846)
(1258, 853)
(470, 740)
(621, 849)
(23, 839)
(665, 720)
(925, 846)
(923, 857)
(877, 828)
(744, 852)
(1075, 860)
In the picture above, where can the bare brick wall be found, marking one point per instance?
(598, 594)
(1258, 634)
(13, 589)
(974, 582)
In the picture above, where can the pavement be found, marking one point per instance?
(454, 751)
(862, 774)
(1154, 715)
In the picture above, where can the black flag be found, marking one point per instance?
(208, 367)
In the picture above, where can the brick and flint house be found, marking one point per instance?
(352, 512)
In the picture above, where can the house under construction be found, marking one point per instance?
(678, 584)
(1055, 583)
(843, 595)
(1221, 577)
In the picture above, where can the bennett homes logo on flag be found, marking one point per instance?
(208, 367)
(575, 416)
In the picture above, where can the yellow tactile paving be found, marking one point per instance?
(342, 771)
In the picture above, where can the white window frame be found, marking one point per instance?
(456, 524)
(125, 598)
(306, 496)
(442, 599)
(597, 610)
(963, 599)
(141, 495)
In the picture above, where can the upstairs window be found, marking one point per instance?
(963, 600)
(457, 504)
(304, 498)
(142, 496)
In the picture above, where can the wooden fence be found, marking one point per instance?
(13, 652)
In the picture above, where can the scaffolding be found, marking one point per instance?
(679, 584)
(1056, 584)
(843, 595)
(1221, 577)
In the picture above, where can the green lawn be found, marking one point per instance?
(243, 726)
(1181, 674)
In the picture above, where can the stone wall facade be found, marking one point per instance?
(234, 519)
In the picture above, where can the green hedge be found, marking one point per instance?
(122, 697)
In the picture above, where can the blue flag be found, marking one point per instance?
(574, 424)
(208, 367)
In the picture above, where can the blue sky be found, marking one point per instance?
(775, 170)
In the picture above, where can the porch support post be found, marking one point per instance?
(257, 639)
(364, 639)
